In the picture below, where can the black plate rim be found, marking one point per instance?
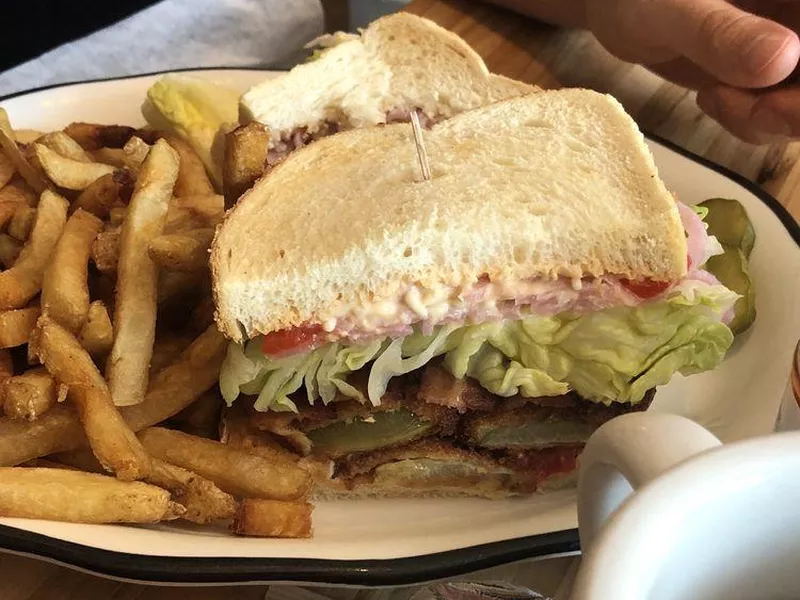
(362, 573)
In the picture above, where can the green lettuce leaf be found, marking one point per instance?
(195, 109)
(611, 355)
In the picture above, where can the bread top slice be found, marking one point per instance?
(401, 61)
(551, 184)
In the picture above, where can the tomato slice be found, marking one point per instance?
(292, 341)
(645, 288)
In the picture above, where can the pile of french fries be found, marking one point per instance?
(109, 356)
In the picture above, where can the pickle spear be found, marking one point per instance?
(727, 220)
(731, 269)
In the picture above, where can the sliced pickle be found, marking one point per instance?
(382, 429)
(531, 434)
(727, 220)
(431, 473)
(731, 269)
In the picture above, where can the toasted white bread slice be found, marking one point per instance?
(401, 61)
(556, 183)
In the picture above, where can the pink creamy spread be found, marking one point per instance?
(485, 300)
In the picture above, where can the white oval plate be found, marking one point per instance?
(396, 542)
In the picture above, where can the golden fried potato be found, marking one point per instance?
(171, 390)
(65, 288)
(105, 193)
(201, 417)
(192, 177)
(135, 152)
(18, 192)
(105, 250)
(60, 142)
(112, 441)
(16, 326)
(9, 250)
(68, 495)
(97, 333)
(22, 222)
(234, 471)
(7, 169)
(194, 212)
(244, 161)
(24, 280)
(273, 518)
(186, 251)
(115, 157)
(68, 173)
(136, 299)
(204, 501)
(92, 136)
(12, 151)
(237, 431)
(31, 394)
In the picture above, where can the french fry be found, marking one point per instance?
(187, 251)
(68, 173)
(104, 193)
(244, 160)
(97, 333)
(117, 215)
(172, 390)
(7, 212)
(16, 326)
(238, 432)
(81, 459)
(105, 250)
(9, 250)
(192, 177)
(18, 192)
(9, 145)
(112, 441)
(177, 287)
(110, 156)
(21, 223)
(179, 384)
(92, 136)
(7, 169)
(27, 136)
(57, 430)
(273, 518)
(194, 212)
(65, 288)
(67, 495)
(24, 280)
(137, 277)
(204, 501)
(234, 471)
(60, 142)
(166, 350)
(135, 152)
(201, 417)
(31, 394)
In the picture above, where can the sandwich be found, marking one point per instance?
(463, 334)
(400, 63)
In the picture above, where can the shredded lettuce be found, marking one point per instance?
(611, 355)
(700, 211)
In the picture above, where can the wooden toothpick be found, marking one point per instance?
(420, 144)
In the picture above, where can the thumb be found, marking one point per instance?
(737, 47)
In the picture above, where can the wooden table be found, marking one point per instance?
(549, 57)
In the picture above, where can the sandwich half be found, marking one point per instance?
(463, 335)
(400, 63)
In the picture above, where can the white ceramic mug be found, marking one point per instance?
(666, 513)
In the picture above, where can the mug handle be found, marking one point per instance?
(625, 454)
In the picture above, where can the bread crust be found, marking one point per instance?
(552, 184)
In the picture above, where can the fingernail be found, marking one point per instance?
(762, 50)
(770, 122)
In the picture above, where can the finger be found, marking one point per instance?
(737, 47)
(779, 110)
(739, 112)
(683, 72)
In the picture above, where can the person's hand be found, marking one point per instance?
(733, 53)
